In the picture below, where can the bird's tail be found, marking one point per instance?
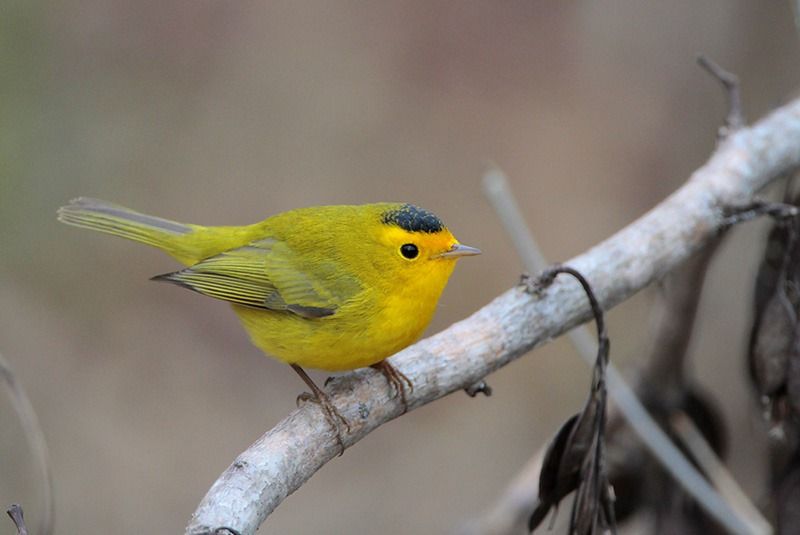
(169, 236)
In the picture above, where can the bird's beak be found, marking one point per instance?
(459, 250)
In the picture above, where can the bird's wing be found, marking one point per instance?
(268, 274)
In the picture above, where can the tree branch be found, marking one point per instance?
(279, 462)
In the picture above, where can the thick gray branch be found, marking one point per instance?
(286, 456)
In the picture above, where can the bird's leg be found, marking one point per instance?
(319, 397)
(397, 379)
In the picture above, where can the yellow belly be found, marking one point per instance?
(351, 338)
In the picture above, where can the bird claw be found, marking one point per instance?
(332, 415)
(397, 380)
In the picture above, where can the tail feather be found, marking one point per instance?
(186, 243)
(117, 220)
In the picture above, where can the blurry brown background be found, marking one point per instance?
(226, 112)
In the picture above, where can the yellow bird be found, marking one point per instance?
(327, 287)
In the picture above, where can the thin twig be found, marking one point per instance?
(755, 209)
(284, 458)
(730, 83)
(509, 513)
(796, 14)
(15, 512)
(498, 192)
(35, 438)
(692, 438)
(500, 196)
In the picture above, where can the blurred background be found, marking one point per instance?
(227, 112)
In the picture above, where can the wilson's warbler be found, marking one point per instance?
(329, 287)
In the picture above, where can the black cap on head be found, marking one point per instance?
(413, 219)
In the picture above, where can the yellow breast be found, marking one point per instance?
(364, 331)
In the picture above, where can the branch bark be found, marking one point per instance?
(285, 457)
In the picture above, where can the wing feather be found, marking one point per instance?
(268, 275)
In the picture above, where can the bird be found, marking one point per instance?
(332, 288)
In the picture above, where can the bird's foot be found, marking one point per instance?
(332, 414)
(397, 379)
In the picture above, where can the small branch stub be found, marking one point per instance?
(481, 387)
(730, 84)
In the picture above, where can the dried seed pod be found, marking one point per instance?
(773, 352)
(772, 343)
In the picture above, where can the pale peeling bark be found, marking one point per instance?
(514, 323)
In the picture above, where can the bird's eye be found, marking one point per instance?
(409, 250)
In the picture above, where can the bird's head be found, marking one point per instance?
(418, 243)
